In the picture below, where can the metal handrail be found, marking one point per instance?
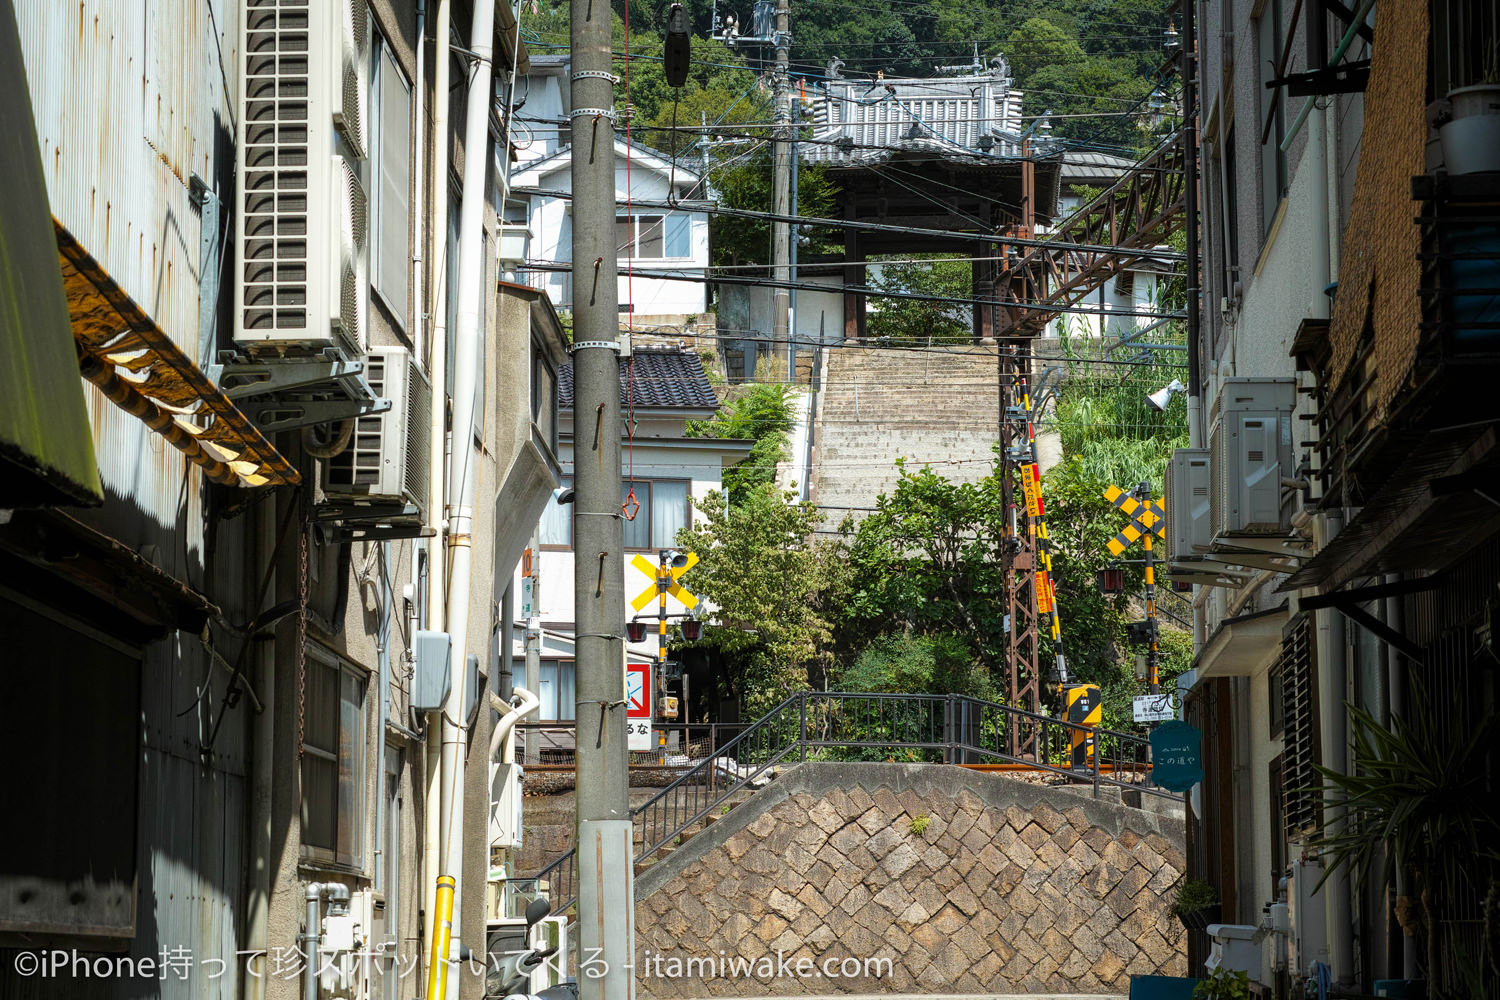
(699, 790)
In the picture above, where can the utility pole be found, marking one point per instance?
(606, 897)
(781, 157)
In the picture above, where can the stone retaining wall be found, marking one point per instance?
(1006, 888)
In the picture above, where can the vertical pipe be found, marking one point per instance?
(437, 313)
(263, 758)
(462, 473)
(781, 181)
(383, 686)
(419, 180)
(442, 923)
(311, 918)
(1333, 724)
(791, 310)
(603, 805)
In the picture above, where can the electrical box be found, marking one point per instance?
(1189, 509)
(1250, 445)
(302, 226)
(432, 654)
(1307, 911)
(505, 806)
(1233, 947)
(669, 707)
(387, 457)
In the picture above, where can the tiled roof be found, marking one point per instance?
(664, 377)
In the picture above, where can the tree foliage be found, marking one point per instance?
(923, 321)
(762, 412)
(761, 571)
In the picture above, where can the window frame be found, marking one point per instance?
(658, 226)
(1273, 159)
(382, 59)
(321, 855)
(645, 501)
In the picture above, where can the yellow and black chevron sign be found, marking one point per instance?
(1150, 518)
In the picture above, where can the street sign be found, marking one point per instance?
(673, 587)
(1152, 707)
(638, 705)
(1176, 756)
(1150, 518)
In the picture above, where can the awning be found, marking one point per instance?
(46, 447)
(93, 570)
(1242, 645)
(132, 360)
(1439, 503)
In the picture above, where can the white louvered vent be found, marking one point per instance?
(353, 111)
(387, 456)
(302, 211)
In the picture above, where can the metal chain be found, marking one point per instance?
(301, 632)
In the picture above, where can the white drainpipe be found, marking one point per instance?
(462, 473)
(521, 703)
(438, 316)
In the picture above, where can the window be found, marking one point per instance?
(1300, 736)
(1273, 129)
(388, 179)
(1231, 235)
(1278, 824)
(654, 236)
(543, 395)
(333, 755)
(663, 512)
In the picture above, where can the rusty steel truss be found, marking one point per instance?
(1139, 212)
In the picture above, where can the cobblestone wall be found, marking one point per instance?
(1006, 888)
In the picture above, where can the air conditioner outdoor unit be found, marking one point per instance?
(301, 229)
(387, 456)
(1250, 445)
(1189, 527)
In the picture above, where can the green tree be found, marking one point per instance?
(761, 412)
(761, 571)
(747, 184)
(1039, 43)
(942, 663)
(926, 561)
(922, 320)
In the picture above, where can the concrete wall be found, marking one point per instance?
(1010, 888)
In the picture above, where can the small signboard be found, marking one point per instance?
(1153, 707)
(638, 705)
(1176, 756)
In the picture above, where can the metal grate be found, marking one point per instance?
(275, 252)
(1300, 735)
(352, 115)
(418, 420)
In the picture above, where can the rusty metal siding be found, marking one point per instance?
(132, 98)
(117, 178)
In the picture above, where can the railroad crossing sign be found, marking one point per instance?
(667, 583)
(1150, 518)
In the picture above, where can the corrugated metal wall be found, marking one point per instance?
(132, 98)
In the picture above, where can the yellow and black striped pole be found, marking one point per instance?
(1085, 707)
(1046, 596)
(442, 928)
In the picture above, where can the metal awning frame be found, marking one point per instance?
(142, 370)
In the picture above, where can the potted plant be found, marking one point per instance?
(1196, 904)
(1223, 984)
(1471, 134)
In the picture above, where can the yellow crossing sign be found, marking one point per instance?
(1150, 519)
(667, 583)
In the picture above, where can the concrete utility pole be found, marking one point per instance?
(781, 182)
(606, 931)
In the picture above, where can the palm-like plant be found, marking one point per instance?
(1419, 795)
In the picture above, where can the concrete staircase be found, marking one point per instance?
(937, 406)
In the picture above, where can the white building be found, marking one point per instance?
(648, 238)
(664, 468)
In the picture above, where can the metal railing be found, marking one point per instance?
(840, 726)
